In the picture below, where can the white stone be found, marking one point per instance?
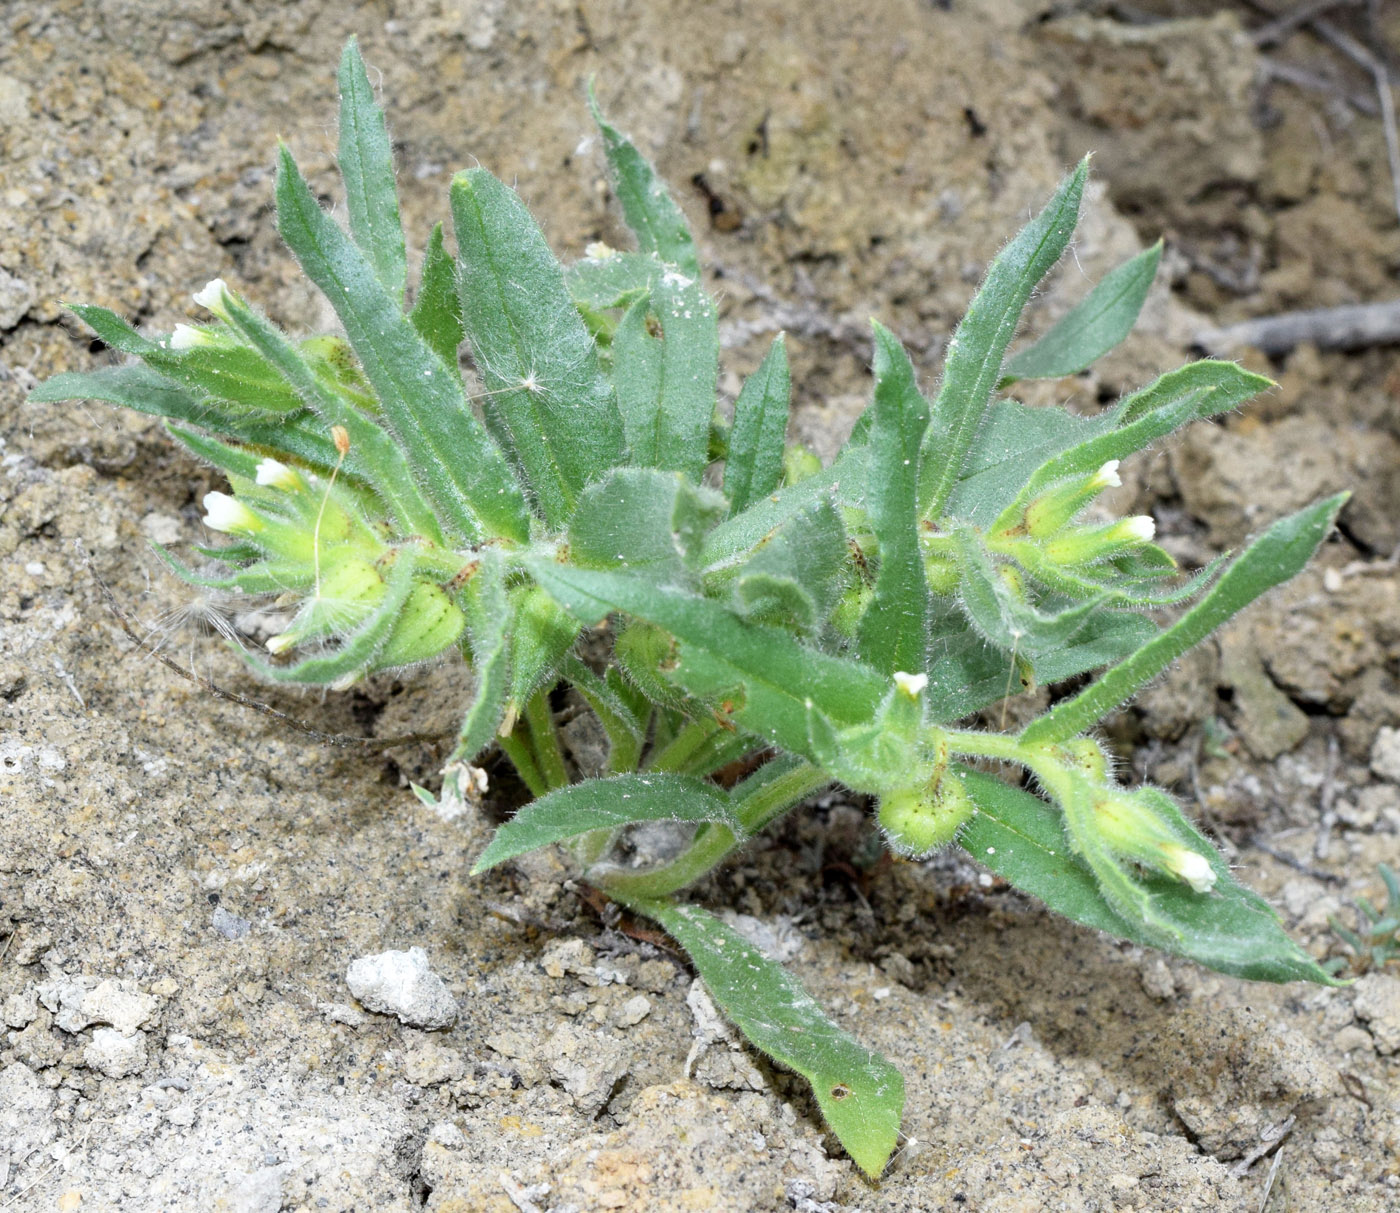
(402, 984)
(115, 1055)
(1385, 755)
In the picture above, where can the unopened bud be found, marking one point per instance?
(429, 623)
(211, 297)
(1089, 544)
(341, 437)
(910, 684)
(229, 515)
(274, 475)
(1131, 825)
(1055, 508)
(187, 337)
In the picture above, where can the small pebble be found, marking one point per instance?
(229, 925)
(402, 984)
(115, 1055)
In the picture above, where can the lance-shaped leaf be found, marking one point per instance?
(894, 628)
(1278, 554)
(437, 311)
(487, 610)
(795, 579)
(373, 455)
(860, 1094)
(221, 369)
(1232, 929)
(768, 676)
(455, 463)
(1019, 442)
(975, 353)
(643, 519)
(607, 804)
(1093, 327)
(665, 367)
(753, 466)
(366, 163)
(1004, 618)
(733, 540)
(967, 674)
(614, 280)
(545, 400)
(649, 209)
(541, 636)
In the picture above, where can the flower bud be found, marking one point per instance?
(1089, 544)
(1132, 826)
(351, 587)
(917, 821)
(942, 574)
(910, 684)
(229, 515)
(211, 297)
(274, 475)
(1055, 508)
(187, 337)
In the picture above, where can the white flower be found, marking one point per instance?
(1140, 528)
(1194, 869)
(910, 684)
(186, 337)
(274, 475)
(1106, 477)
(229, 515)
(212, 296)
(280, 644)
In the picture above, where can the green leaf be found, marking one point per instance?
(541, 635)
(487, 609)
(453, 460)
(367, 167)
(374, 455)
(1093, 327)
(769, 675)
(617, 708)
(1004, 619)
(1020, 444)
(223, 370)
(893, 631)
(795, 579)
(665, 367)
(437, 312)
(616, 280)
(973, 364)
(651, 212)
(643, 519)
(1270, 560)
(753, 467)
(860, 1094)
(606, 804)
(1232, 930)
(545, 401)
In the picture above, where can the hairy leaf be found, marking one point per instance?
(753, 466)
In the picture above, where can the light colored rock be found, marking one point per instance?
(114, 1054)
(1385, 754)
(25, 1107)
(16, 298)
(21, 1009)
(402, 984)
(260, 1192)
(588, 1065)
(1377, 1002)
(633, 1011)
(80, 1002)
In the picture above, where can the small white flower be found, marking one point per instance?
(229, 515)
(274, 475)
(1106, 477)
(910, 684)
(212, 296)
(1139, 527)
(186, 337)
(1194, 869)
(598, 251)
(280, 644)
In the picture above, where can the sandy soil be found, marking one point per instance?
(184, 882)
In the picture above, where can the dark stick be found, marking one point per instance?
(1350, 327)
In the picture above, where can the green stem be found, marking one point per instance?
(675, 756)
(544, 738)
(518, 751)
(759, 801)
